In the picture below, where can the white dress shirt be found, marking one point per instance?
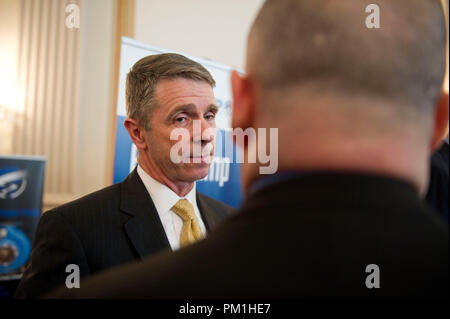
(164, 198)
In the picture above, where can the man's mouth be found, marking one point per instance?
(201, 158)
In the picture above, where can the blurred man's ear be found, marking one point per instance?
(243, 102)
(136, 132)
(440, 122)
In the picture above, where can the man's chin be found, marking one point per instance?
(195, 171)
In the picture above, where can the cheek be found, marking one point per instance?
(181, 145)
(159, 144)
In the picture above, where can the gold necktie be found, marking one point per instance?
(191, 230)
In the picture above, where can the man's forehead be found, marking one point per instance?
(183, 88)
(176, 93)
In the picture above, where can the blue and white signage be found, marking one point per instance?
(21, 189)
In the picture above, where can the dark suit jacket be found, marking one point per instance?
(113, 226)
(312, 236)
(438, 191)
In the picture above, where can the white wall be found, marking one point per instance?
(212, 29)
(96, 108)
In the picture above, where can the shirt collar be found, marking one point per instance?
(162, 196)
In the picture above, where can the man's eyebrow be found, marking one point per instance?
(188, 108)
(213, 108)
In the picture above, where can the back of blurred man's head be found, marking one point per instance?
(326, 44)
(316, 69)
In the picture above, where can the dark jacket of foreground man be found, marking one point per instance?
(312, 236)
(113, 226)
(438, 191)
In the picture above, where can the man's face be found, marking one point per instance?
(178, 103)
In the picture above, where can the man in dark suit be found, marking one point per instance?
(156, 207)
(356, 113)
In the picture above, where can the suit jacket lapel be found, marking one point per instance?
(210, 218)
(144, 228)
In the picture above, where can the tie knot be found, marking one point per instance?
(184, 209)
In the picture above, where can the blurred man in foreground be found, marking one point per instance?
(357, 114)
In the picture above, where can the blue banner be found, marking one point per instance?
(21, 190)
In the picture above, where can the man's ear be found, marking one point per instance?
(440, 122)
(136, 132)
(243, 101)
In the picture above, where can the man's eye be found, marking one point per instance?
(180, 119)
(210, 116)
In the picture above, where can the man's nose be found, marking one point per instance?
(209, 134)
(203, 131)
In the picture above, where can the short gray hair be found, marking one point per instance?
(145, 74)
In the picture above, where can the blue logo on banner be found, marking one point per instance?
(14, 249)
(13, 182)
(21, 188)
